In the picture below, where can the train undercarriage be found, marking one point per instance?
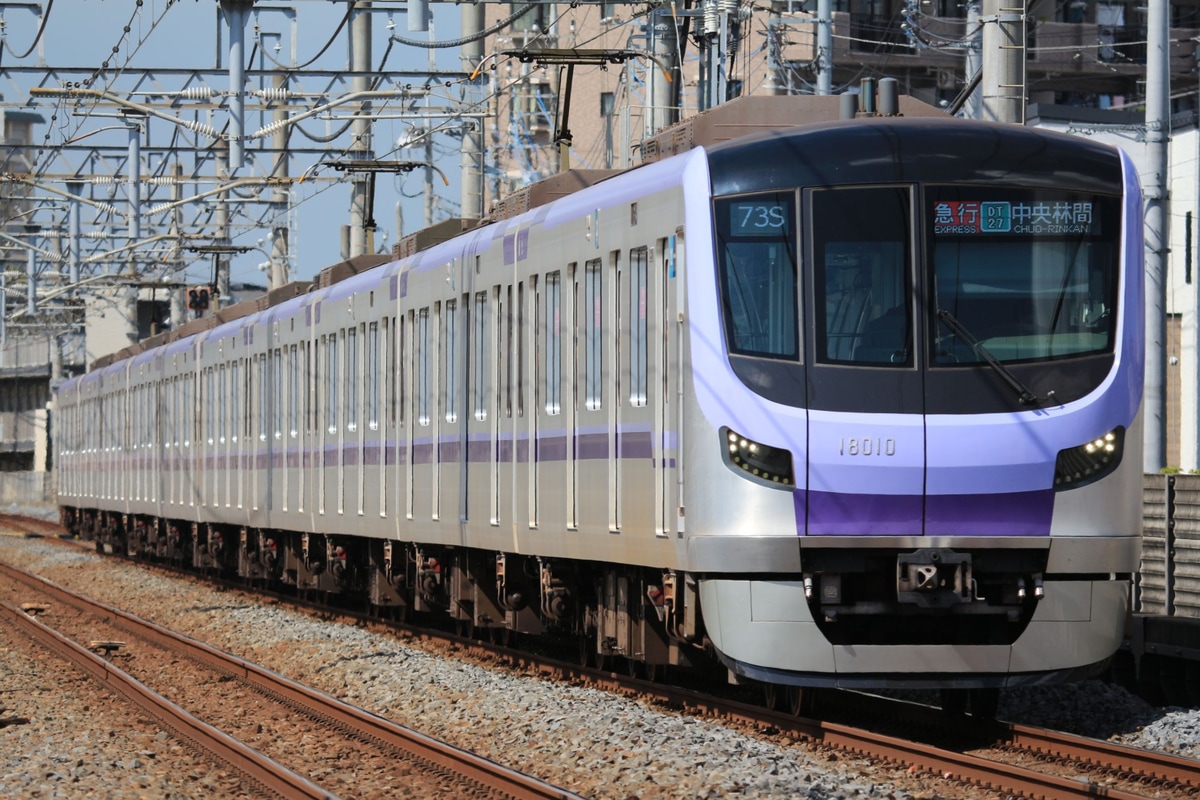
(617, 617)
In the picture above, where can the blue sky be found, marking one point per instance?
(187, 34)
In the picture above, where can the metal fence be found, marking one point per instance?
(1169, 579)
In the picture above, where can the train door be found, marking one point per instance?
(371, 490)
(554, 463)
(591, 437)
(478, 487)
(450, 417)
(638, 403)
(518, 373)
(424, 441)
(499, 445)
(866, 476)
(615, 387)
(237, 412)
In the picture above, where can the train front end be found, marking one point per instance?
(913, 453)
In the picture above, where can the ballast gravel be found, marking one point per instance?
(582, 739)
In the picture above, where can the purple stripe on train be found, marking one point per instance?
(843, 514)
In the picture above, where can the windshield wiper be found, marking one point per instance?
(1026, 396)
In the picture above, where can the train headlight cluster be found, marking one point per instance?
(758, 461)
(1077, 466)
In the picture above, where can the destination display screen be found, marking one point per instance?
(1036, 218)
(759, 218)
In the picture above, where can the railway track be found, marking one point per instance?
(376, 753)
(1002, 758)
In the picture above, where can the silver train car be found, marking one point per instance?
(850, 404)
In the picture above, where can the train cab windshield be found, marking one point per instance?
(1030, 275)
(912, 278)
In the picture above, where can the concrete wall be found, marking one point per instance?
(27, 489)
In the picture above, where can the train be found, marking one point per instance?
(824, 399)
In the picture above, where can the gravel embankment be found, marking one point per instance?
(585, 740)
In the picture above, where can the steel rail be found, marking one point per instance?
(255, 766)
(471, 766)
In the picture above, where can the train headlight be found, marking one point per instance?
(1078, 466)
(757, 461)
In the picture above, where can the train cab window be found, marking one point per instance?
(756, 257)
(862, 275)
(1027, 274)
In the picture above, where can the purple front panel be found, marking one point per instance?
(846, 514)
(1012, 514)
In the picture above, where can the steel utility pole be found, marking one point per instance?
(1004, 61)
(360, 128)
(1154, 181)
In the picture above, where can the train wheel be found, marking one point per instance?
(798, 700)
(655, 672)
(954, 701)
(587, 650)
(984, 703)
(773, 696)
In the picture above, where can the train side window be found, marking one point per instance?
(451, 361)
(350, 339)
(209, 405)
(224, 414)
(479, 390)
(235, 398)
(862, 275)
(422, 387)
(509, 351)
(294, 392)
(263, 389)
(373, 375)
(593, 307)
(331, 382)
(276, 367)
(639, 260)
(553, 339)
(520, 349)
(400, 365)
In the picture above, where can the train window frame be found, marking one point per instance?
(758, 226)
(424, 419)
(235, 402)
(639, 343)
(521, 365)
(479, 390)
(294, 394)
(331, 383)
(373, 386)
(593, 299)
(223, 417)
(450, 359)
(350, 374)
(872, 316)
(275, 367)
(553, 339)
